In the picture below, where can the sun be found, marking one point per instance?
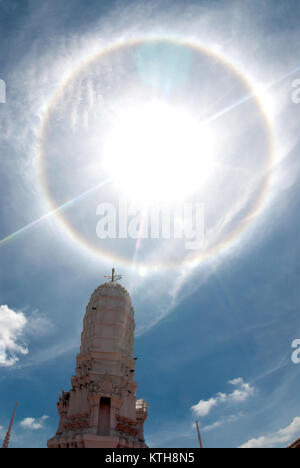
(158, 153)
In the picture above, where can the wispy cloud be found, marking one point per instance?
(44, 71)
(276, 439)
(34, 424)
(242, 392)
(166, 437)
(39, 325)
(230, 419)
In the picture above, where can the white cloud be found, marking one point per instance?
(276, 439)
(204, 407)
(33, 424)
(212, 426)
(243, 391)
(16, 328)
(12, 326)
(230, 419)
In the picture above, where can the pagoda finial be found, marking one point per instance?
(7, 437)
(113, 278)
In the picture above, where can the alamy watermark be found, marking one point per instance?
(296, 91)
(2, 92)
(183, 221)
(296, 353)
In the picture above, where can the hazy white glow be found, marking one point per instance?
(158, 153)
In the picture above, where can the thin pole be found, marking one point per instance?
(7, 438)
(199, 435)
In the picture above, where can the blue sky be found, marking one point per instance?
(214, 337)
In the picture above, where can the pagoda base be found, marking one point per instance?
(94, 441)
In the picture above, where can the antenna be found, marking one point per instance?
(199, 435)
(113, 278)
(7, 437)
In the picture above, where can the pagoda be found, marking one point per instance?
(101, 410)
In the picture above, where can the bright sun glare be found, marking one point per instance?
(158, 153)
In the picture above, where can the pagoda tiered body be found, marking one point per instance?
(102, 410)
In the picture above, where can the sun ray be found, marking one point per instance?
(59, 209)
